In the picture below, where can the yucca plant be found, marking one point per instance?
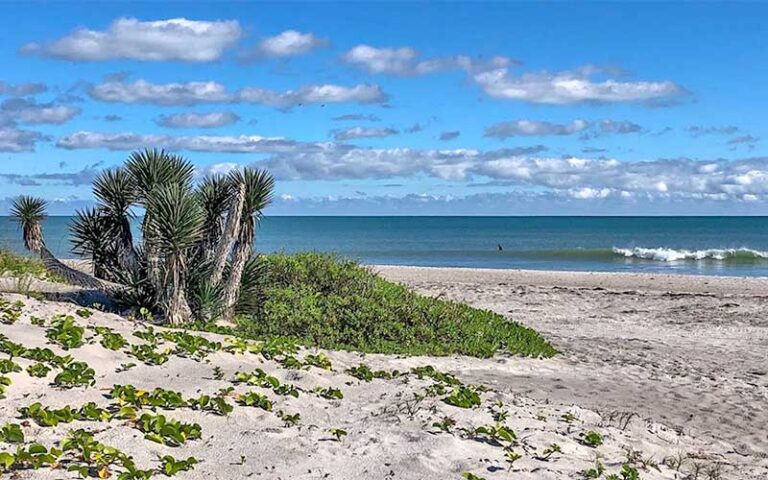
(195, 258)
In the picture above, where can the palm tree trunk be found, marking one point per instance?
(177, 310)
(242, 252)
(232, 232)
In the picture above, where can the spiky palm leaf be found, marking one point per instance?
(92, 235)
(29, 212)
(214, 194)
(116, 193)
(153, 168)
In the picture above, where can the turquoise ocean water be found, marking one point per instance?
(702, 245)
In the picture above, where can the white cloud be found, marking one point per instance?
(22, 89)
(534, 128)
(407, 61)
(129, 38)
(362, 132)
(287, 44)
(15, 140)
(141, 91)
(201, 143)
(197, 120)
(313, 94)
(28, 111)
(192, 93)
(571, 87)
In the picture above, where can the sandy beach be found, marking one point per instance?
(663, 367)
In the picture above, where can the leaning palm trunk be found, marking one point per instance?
(231, 233)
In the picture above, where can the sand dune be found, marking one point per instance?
(659, 375)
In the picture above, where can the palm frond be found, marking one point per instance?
(176, 219)
(152, 168)
(92, 234)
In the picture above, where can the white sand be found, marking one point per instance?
(687, 370)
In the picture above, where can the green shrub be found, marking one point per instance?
(319, 300)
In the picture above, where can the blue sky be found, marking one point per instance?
(396, 108)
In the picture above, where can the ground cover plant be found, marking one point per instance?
(320, 300)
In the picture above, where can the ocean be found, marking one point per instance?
(687, 245)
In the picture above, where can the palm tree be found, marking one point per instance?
(259, 185)
(29, 212)
(195, 259)
(176, 220)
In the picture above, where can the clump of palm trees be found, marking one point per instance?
(195, 259)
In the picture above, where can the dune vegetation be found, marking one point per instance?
(194, 265)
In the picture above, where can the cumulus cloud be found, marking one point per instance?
(22, 89)
(82, 177)
(447, 136)
(313, 94)
(16, 140)
(201, 143)
(356, 117)
(28, 111)
(408, 61)
(287, 44)
(197, 120)
(128, 38)
(362, 132)
(192, 93)
(571, 87)
(534, 128)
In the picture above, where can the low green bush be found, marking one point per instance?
(320, 300)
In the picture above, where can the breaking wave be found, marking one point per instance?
(745, 255)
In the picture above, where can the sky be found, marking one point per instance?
(398, 108)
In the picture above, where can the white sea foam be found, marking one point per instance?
(672, 255)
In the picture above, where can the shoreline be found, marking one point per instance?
(658, 282)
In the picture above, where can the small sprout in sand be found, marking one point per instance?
(66, 333)
(83, 313)
(170, 466)
(216, 405)
(548, 452)
(146, 315)
(446, 424)
(5, 382)
(10, 312)
(34, 457)
(471, 476)
(253, 399)
(596, 471)
(289, 420)
(436, 375)
(496, 433)
(320, 361)
(11, 433)
(628, 472)
(9, 366)
(124, 367)
(146, 354)
(190, 346)
(568, 417)
(167, 431)
(218, 373)
(463, 397)
(329, 393)
(676, 462)
(39, 370)
(75, 374)
(591, 439)
(511, 456)
(37, 321)
(338, 433)
(498, 412)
